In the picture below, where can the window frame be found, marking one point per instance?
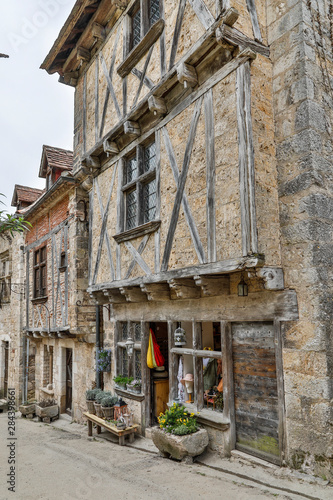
(144, 6)
(137, 184)
(120, 347)
(40, 270)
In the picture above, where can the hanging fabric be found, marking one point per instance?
(180, 376)
(154, 355)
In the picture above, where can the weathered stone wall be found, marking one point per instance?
(11, 313)
(300, 37)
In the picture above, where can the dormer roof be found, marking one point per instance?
(55, 158)
(25, 195)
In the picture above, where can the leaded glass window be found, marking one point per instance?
(131, 207)
(136, 28)
(124, 331)
(124, 363)
(154, 11)
(137, 365)
(137, 332)
(149, 196)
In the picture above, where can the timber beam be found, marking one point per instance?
(184, 288)
(156, 291)
(213, 285)
(133, 294)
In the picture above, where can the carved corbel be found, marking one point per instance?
(230, 17)
(187, 75)
(98, 31)
(133, 294)
(92, 162)
(184, 288)
(213, 285)
(157, 105)
(156, 291)
(114, 296)
(110, 147)
(272, 276)
(247, 52)
(83, 55)
(132, 128)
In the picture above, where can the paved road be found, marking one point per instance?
(55, 464)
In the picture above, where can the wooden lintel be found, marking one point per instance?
(133, 294)
(99, 298)
(157, 105)
(230, 16)
(132, 128)
(98, 31)
(110, 147)
(156, 291)
(184, 288)
(247, 52)
(231, 35)
(83, 54)
(187, 75)
(213, 285)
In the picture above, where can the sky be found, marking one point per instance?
(35, 109)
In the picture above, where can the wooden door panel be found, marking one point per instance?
(255, 388)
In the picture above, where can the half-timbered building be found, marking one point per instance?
(57, 333)
(195, 127)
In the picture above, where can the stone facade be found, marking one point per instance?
(239, 108)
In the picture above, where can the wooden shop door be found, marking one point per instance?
(160, 386)
(255, 390)
(69, 378)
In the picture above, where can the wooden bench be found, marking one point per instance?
(121, 433)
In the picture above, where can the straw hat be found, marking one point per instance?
(188, 378)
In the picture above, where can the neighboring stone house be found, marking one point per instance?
(12, 306)
(57, 333)
(204, 130)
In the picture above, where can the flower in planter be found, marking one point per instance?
(120, 380)
(177, 420)
(103, 360)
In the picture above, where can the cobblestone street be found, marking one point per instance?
(60, 461)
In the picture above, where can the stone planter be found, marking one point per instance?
(135, 390)
(48, 412)
(27, 411)
(91, 407)
(121, 387)
(180, 447)
(108, 412)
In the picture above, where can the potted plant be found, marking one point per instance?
(103, 360)
(47, 409)
(98, 400)
(120, 382)
(178, 435)
(90, 398)
(129, 383)
(134, 386)
(107, 404)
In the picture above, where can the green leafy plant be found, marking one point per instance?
(91, 394)
(12, 223)
(177, 420)
(100, 395)
(120, 380)
(109, 401)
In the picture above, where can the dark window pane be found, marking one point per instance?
(137, 364)
(131, 169)
(149, 199)
(43, 254)
(124, 363)
(137, 332)
(131, 210)
(154, 11)
(36, 257)
(124, 331)
(150, 157)
(136, 27)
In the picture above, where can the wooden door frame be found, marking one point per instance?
(69, 411)
(228, 392)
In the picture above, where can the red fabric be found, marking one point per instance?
(157, 351)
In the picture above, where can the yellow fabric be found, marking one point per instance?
(151, 363)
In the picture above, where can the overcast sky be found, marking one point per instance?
(35, 108)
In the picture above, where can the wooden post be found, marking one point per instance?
(197, 364)
(228, 386)
(173, 362)
(145, 373)
(280, 388)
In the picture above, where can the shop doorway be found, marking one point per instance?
(159, 379)
(6, 362)
(255, 390)
(69, 378)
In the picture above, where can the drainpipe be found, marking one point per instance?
(98, 344)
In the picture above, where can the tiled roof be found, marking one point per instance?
(26, 194)
(58, 158)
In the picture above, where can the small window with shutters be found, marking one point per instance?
(40, 277)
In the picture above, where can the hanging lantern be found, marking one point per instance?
(242, 288)
(129, 344)
(180, 336)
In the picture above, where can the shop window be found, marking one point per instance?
(40, 272)
(144, 14)
(129, 367)
(139, 189)
(207, 390)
